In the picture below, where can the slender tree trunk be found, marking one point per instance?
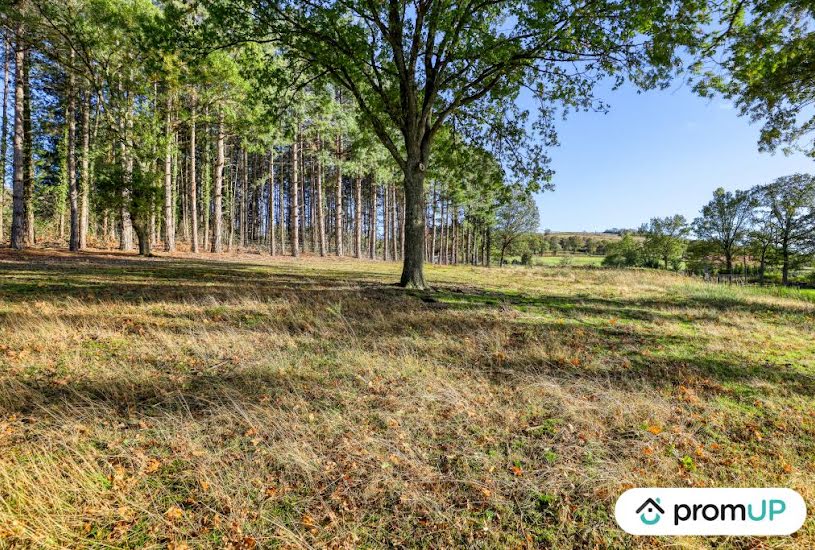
(85, 173)
(206, 179)
(28, 153)
(318, 173)
(73, 188)
(18, 238)
(358, 217)
(270, 206)
(443, 232)
(218, 191)
(244, 198)
(126, 222)
(302, 189)
(338, 229)
(372, 221)
(394, 225)
(4, 138)
(488, 248)
(294, 199)
(785, 257)
(281, 216)
(432, 258)
(386, 223)
(193, 181)
(402, 226)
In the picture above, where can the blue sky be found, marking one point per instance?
(654, 154)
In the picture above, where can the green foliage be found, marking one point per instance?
(760, 57)
(725, 221)
(626, 252)
(665, 242)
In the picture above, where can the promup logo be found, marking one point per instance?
(710, 511)
(652, 507)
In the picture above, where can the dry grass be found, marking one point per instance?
(246, 402)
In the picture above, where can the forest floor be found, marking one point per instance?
(253, 402)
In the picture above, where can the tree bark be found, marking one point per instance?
(281, 216)
(294, 199)
(218, 191)
(338, 200)
(372, 221)
(28, 156)
(85, 173)
(434, 202)
(386, 222)
(244, 197)
(270, 206)
(4, 138)
(193, 181)
(394, 225)
(318, 173)
(18, 239)
(413, 266)
(358, 217)
(73, 188)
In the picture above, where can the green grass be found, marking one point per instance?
(576, 260)
(239, 401)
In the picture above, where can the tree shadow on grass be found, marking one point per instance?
(459, 327)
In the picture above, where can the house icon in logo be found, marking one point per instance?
(650, 506)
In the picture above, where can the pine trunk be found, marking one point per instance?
(193, 187)
(294, 199)
(85, 173)
(18, 239)
(358, 217)
(73, 188)
(4, 139)
(218, 191)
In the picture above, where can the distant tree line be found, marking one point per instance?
(765, 229)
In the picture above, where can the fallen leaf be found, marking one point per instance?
(174, 513)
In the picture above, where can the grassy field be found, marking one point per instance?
(571, 260)
(246, 402)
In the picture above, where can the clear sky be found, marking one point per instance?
(654, 154)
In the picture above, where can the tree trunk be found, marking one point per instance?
(193, 180)
(294, 199)
(386, 222)
(394, 225)
(318, 174)
(270, 207)
(73, 188)
(28, 153)
(18, 239)
(785, 266)
(413, 265)
(4, 138)
(218, 191)
(244, 197)
(85, 173)
(281, 216)
(358, 217)
(338, 201)
(302, 198)
(143, 237)
(728, 259)
(434, 203)
(372, 221)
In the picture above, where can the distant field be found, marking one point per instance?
(248, 402)
(586, 235)
(576, 260)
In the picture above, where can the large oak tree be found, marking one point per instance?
(413, 65)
